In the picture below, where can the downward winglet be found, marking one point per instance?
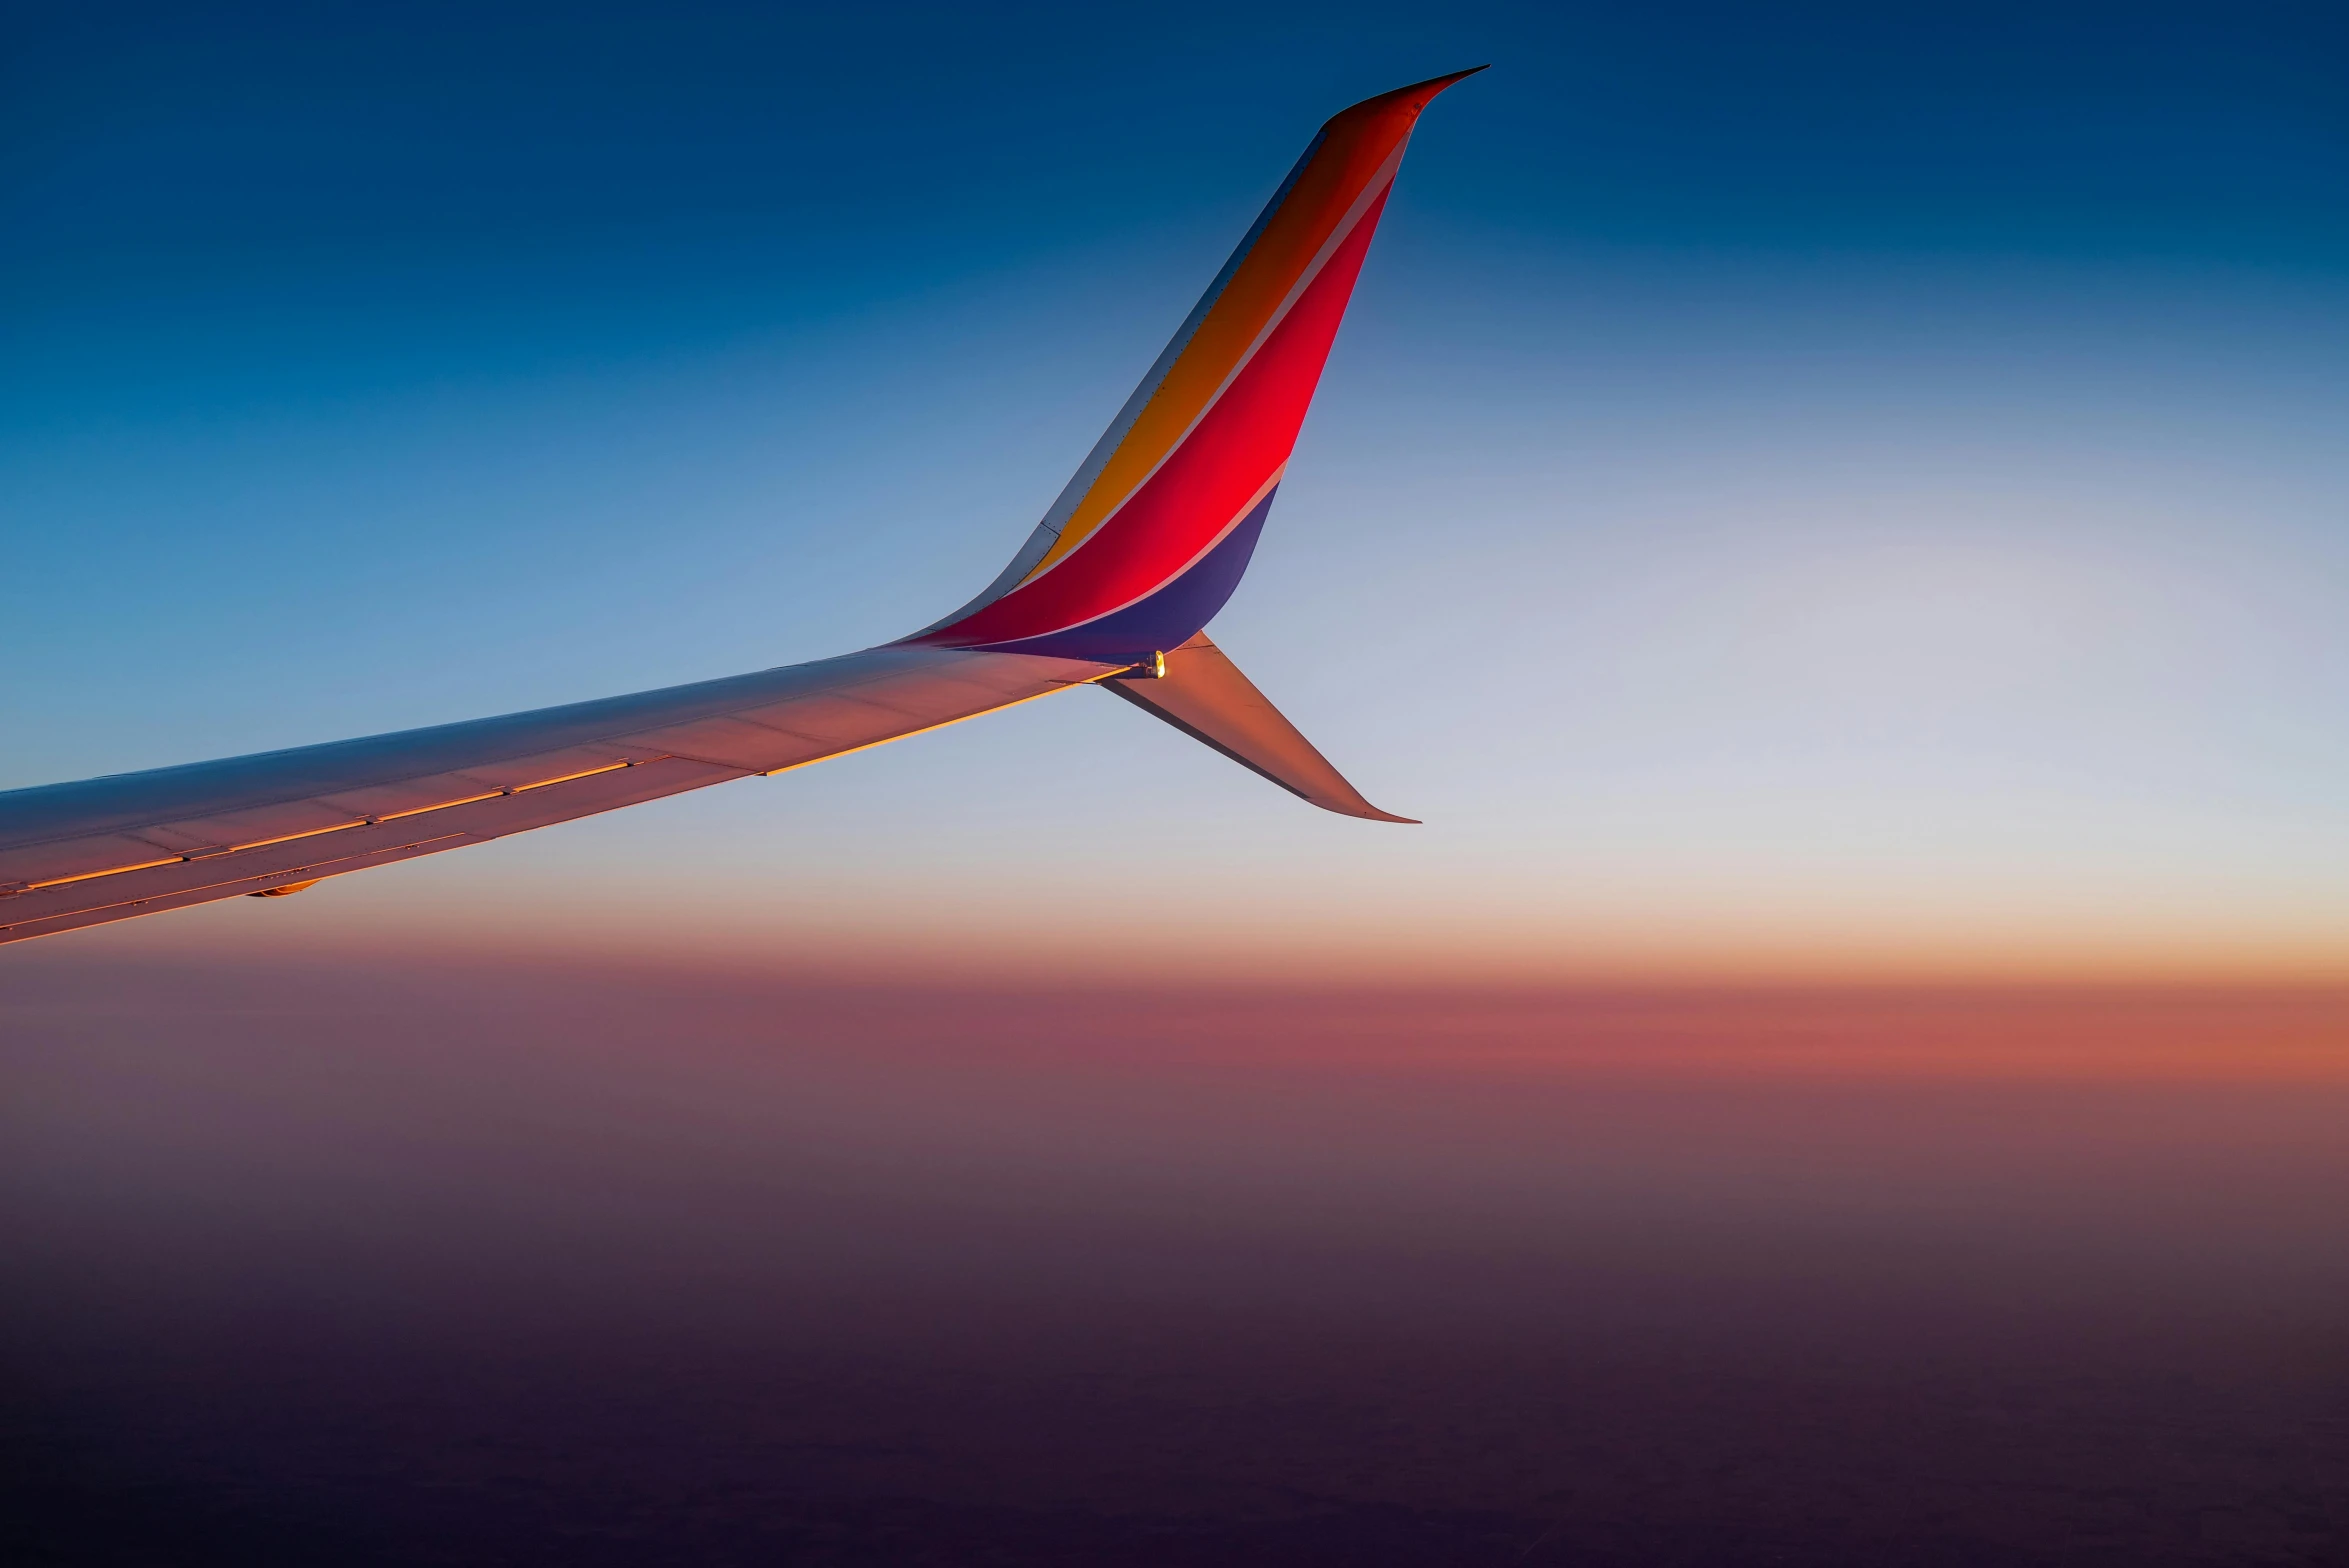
(1203, 694)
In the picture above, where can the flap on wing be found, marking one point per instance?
(1204, 695)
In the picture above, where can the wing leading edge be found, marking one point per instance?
(1142, 549)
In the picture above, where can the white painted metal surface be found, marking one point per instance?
(136, 843)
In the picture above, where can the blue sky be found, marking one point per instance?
(1800, 486)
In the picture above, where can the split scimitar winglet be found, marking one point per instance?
(1113, 588)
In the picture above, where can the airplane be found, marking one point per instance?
(1113, 589)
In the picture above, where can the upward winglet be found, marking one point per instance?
(1152, 534)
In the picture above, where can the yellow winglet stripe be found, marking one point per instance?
(1327, 191)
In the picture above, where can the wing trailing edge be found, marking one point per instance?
(1203, 694)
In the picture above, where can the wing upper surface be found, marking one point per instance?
(78, 854)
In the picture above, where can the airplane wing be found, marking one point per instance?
(138, 843)
(1138, 554)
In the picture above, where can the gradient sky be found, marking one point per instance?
(1806, 495)
(1814, 490)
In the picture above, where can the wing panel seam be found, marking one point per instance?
(11, 890)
